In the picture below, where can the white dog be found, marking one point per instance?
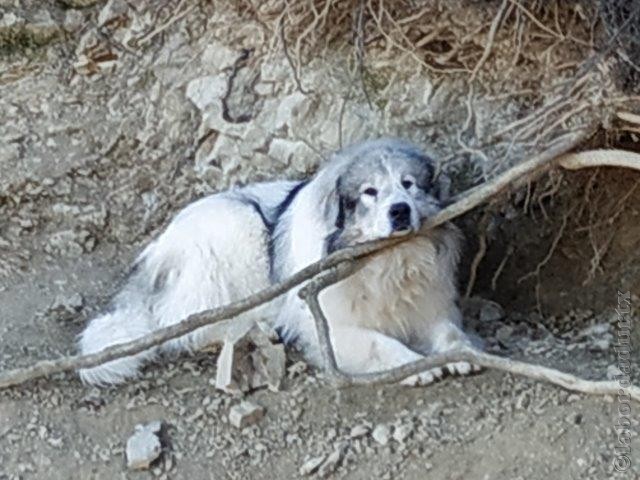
(398, 308)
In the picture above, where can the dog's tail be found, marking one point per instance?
(129, 318)
(118, 326)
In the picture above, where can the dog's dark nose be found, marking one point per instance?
(400, 215)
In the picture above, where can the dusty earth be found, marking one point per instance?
(114, 115)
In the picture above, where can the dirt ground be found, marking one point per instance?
(489, 426)
(101, 142)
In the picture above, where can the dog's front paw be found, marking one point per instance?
(430, 376)
(462, 368)
(423, 378)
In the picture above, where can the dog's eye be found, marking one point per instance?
(407, 184)
(371, 191)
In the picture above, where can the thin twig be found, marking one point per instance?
(490, 38)
(174, 18)
(550, 252)
(285, 49)
(482, 250)
(498, 272)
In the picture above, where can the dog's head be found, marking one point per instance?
(384, 188)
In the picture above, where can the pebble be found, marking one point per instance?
(402, 432)
(359, 431)
(381, 434)
(143, 447)
(490, 312)
(311, 465)
(66, 306)
(331, 463)
(600, 345)
(503, 334)
(245, 414)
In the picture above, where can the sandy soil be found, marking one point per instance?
(489, 426)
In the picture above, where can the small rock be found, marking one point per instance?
(73, 20)
(143, 447)
(359, 431)
(402, 432)
(574, 397)
(600, 344)
(249, 359)
(503, 334)
(66, 307)
(311, 465)
(331, 463)
(245, 414)
(112, 11)
(491, 311)
(523, 401)
(381, 434)
(9, 20)
(296, 369)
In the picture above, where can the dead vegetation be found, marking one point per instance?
(552, 60)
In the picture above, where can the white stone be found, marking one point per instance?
(291, 109)
(359, 431)
(205, 91)
(613, 371)
(402, 432)
(331, 463)
(8, 20)
(490, 311)
(143, 447)
(245, 414)
(112, 10)
(217, 56)
(311, 465)
(381, 434)
(288, 151)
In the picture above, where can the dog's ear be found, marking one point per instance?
(334, 206)
(442, 188)
(333, 211)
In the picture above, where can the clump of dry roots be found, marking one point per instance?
(560, 64)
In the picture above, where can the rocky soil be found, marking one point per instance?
(115, 114)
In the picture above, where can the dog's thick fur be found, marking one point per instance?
(399, 307)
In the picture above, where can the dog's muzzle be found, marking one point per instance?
(400, 217)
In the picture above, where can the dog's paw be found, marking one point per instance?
(435, 374)
(462, 368)
(423, 378)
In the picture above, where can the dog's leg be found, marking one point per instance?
(447, 336)
(362, 350)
